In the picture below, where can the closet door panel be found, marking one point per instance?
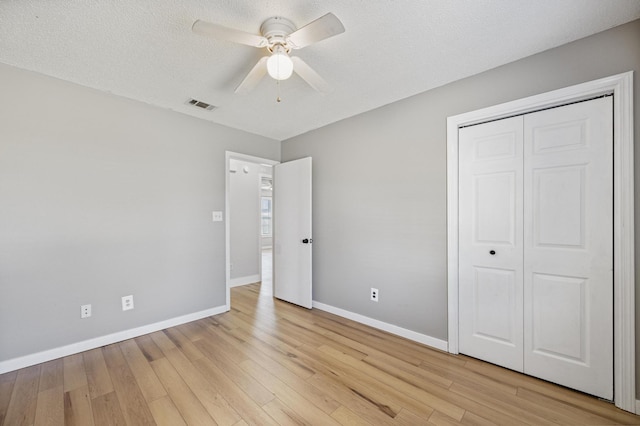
(568, 246)
(491, 242)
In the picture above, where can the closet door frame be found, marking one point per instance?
(621, 86)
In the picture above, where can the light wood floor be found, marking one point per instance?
(268, 362)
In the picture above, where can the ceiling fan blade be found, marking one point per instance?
(320, 29)
(253, 78)
(309, 75)
(229, 34)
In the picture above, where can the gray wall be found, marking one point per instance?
(380, 182)
(244, 218)
(103, 197)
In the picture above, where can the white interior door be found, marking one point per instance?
(490, 248)
(568, 232)
(292, 239)
(536, 244)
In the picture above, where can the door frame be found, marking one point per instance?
(621, 86)
(228, 156)
(260, 176)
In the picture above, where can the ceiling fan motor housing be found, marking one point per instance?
(275, 30)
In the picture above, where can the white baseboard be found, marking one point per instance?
(85, 345)
(637, 407)
(249, 279)
(390, 328)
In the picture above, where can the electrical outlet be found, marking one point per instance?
(375, 294)
(85, 311)
(127, 302)
(217, 216)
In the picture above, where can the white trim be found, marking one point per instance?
(637, 406)
(97, 342)
(240, 281)
(384, 326)
(621, 86)
(228, 155)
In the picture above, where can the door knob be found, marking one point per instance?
(305, 241)
(492, 252)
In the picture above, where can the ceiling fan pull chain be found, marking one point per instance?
(278, 88)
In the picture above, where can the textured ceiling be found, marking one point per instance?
(391, 49)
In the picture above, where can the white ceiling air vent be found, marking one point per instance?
(200, 104)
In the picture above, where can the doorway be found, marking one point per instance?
(248, 235)
(266, 232)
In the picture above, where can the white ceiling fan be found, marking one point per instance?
(279, 37)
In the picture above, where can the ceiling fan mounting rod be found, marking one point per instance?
(275, 30)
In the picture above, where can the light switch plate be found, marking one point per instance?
(217, 216)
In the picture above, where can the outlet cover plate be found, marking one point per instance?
(127, 302)
(85, 311)
(375, 294)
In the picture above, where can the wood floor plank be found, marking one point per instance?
(344, 416)
(407, 418)
(183, 343)
(365, 404)
(217, 354)
(567, 396)
(464, 376)
(74, 372)
(383, 341)
(185, 401)
(406, 372)
(193, 330)
(402, 393)
(215, 404)
(7, 381)
(284, 415)
(149, 349)
(532, 417)
(440, 419)
(325, 402)
(22, 406)
(50, 406)
(98, 377)
(132, 402)
(569, 412)
(165, 412)
(310, 337)
(78, 410)
(365, 339)
(279, 351)
(162, 341)
(473, 419)
(266, 325)
(251, 412)
(147, 380)
(51, 375)
(288, 396)
(107, 410)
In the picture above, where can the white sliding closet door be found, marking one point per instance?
(491, 242)
(536, 244)
(568, 232)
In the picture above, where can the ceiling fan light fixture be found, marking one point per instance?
(279, 64)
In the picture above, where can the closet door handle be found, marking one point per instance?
(492, 252)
